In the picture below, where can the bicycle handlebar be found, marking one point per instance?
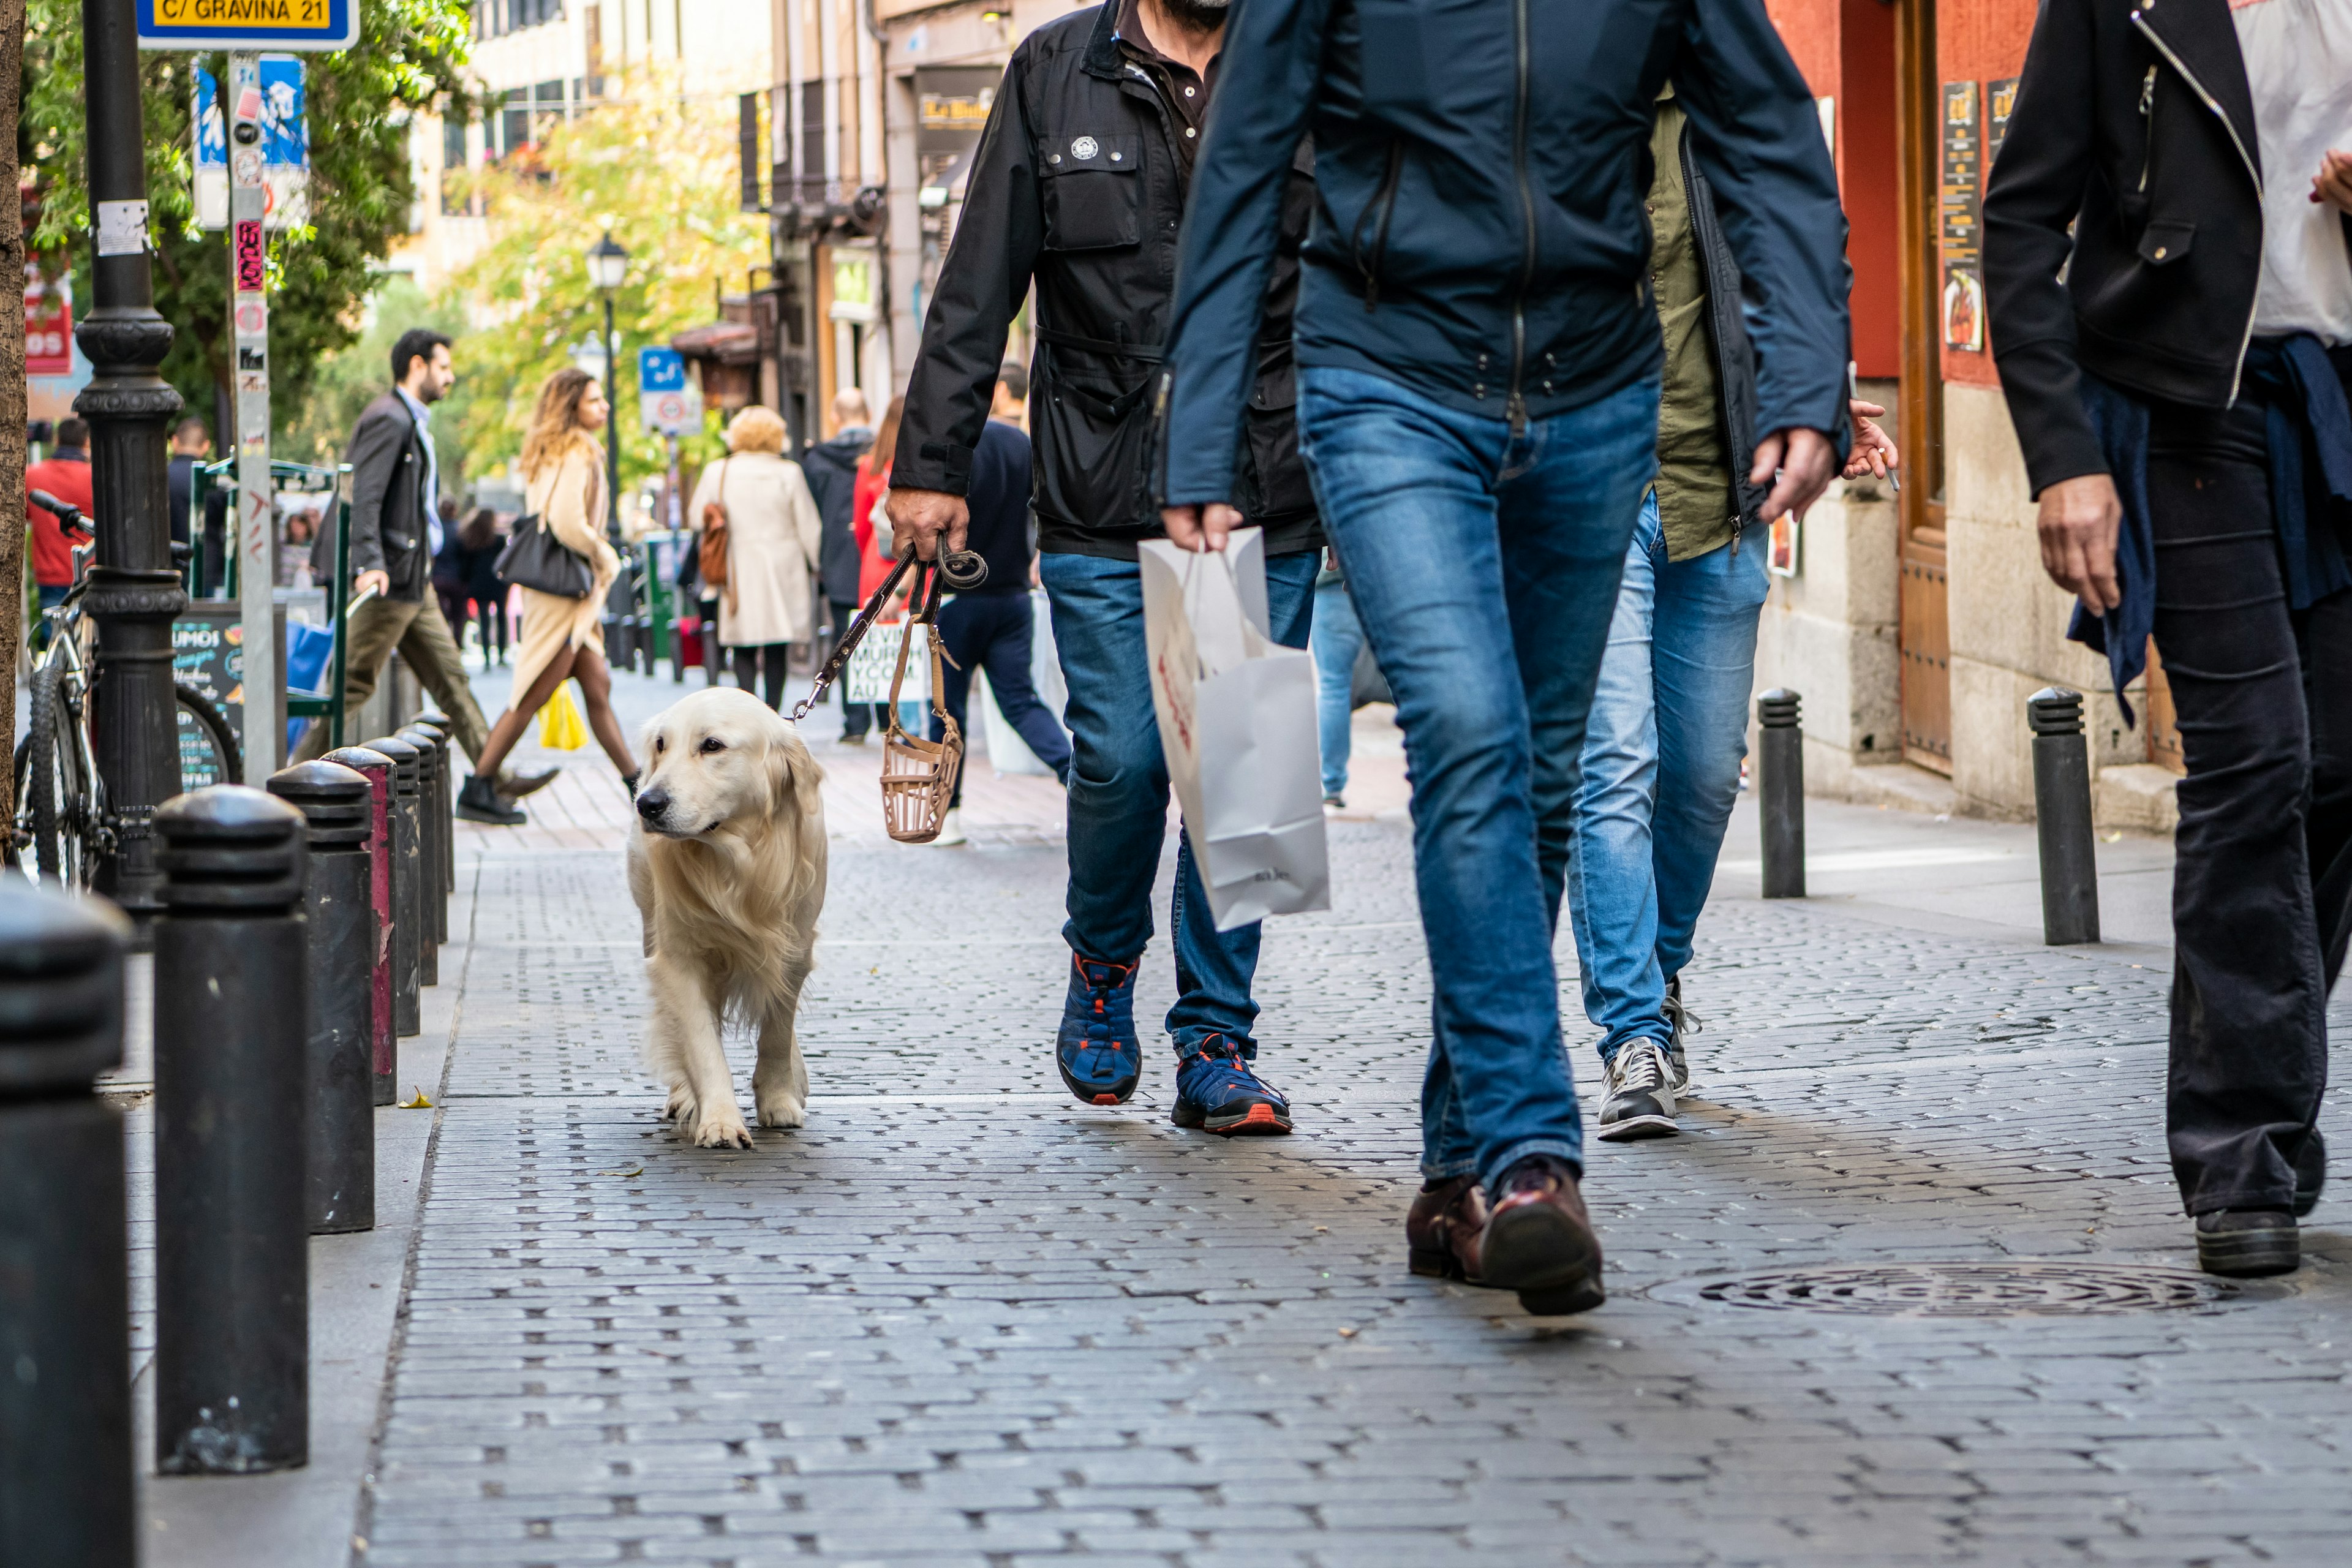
(68, 516)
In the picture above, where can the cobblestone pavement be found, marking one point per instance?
(958, 1320)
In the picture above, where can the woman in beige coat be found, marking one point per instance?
(563, 472)
(773, 537)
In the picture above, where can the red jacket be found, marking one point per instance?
(68, 479)
(872, 564)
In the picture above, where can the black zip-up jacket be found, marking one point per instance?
(388, 531)
(831, 469)
(1479, 235)
(2134, 124)
(1077, 185)
(1727, 335)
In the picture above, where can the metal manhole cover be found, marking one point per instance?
(1958, 1289)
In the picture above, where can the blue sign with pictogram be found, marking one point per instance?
(665, 402)
(248, 23)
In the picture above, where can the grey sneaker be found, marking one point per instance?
(1682, 1021)
(1641, 1102)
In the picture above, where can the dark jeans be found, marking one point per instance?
(857, 718)
(763, 664)
(996, 631)
(1119, 790)
(2261, 878)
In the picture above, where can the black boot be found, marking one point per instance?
(629, 783)
(2245, 1243)
(2310, 1173)
(479, 801)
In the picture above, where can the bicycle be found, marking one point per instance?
(61, 811)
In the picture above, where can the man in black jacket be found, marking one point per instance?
(831, 468)
(2168, 263)
(1078, 186)
(395, 528)
(1478, 400)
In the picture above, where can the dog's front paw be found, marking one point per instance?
(722, 1129)
(780, 1110)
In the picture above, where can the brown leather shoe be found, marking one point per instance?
(1441, 1229)
(1539, 1242)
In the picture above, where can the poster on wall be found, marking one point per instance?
(2000, 97)
(1963, 310)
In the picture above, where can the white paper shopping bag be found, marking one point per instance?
(1236, 713)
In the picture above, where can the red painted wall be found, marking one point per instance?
(1866, 177)
(1980, 41)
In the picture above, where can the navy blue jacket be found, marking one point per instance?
(999, 499)
(1480, 168)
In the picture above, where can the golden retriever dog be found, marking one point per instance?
(726, 864)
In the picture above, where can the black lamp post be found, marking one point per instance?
(134, 592)
(608, 269)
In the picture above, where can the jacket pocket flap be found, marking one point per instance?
(1089, 154)
(2165, 242)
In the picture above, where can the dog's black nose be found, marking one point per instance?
(653, 803)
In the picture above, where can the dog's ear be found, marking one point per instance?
(793, 777)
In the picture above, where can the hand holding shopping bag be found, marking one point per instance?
(1236, 714)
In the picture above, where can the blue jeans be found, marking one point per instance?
(994, 632)
(1661, 771)
(1337, 637)
(1484, 566)
(1119, 790)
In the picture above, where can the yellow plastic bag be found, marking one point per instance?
(561, 728)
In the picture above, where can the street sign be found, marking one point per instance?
(48, 325)
(283, 146)
(248, 23)
(665, 401)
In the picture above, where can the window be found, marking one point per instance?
(452, 158)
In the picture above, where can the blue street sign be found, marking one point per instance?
(248, 23)
(284, 144)
(660, 370)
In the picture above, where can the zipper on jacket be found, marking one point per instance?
(2139, 20)
(2147, 126)
(1384, 200)
(1515, 409)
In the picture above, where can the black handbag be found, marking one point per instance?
(536, 559)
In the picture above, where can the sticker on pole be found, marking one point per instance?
(248, 23)
(666, 402)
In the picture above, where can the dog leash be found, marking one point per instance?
(958, 567)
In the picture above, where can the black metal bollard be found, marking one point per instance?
(407, 887)
(338, 907)
(2062, 817)
(383, 1053)
(1781, 792)
(441, 825)
(428, 853)
(232, 1251)
(433, 718)
(66, 1468)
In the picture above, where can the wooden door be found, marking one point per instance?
(1923, 627)
(2157, 717)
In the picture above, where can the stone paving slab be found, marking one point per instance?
(958, 1319)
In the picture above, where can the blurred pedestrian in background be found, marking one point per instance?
(832, 469)
(1478, 401)
(1078, 187)
(562, 466)
(64, 474)
(1669, 721)
(992, 627)
(298, 540)
(872, 531)
(465, 576)
(2170, 270)
(191, 442)
(774, 542)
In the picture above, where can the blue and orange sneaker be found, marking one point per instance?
(1218, 1091)
(1098, 1052)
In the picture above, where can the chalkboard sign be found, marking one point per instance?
(208, 654)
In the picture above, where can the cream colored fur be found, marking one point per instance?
(727, 862)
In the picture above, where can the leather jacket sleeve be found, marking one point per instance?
(2030, 203)
(377, 446)
(982, 286)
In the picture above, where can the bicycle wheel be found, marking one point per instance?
(55, 802)
(209, 753)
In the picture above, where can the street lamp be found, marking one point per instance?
(608, 269)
